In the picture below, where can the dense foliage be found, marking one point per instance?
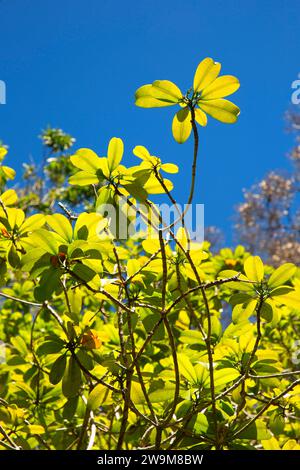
(149, 341)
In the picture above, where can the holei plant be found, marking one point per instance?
(151, 342)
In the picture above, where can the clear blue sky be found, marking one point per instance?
(75, 64)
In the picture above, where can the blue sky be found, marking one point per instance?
(75, 64)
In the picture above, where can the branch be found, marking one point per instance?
(264, 408)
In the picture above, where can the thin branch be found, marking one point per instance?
(265, 408)
(26, 302)
(270, 376)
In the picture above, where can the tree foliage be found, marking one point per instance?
(113, 343)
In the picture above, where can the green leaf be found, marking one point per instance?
(71, 379)
(257, 430)
(49, 283)
(240, 298)
(149, 321)
(100, 395)
(277, 423)
(85, 359)
(13, 257)
(137, 191)
(58, 369)
(50, 347)
(84, 272)
(163, 393)
(282, 290)
(282, 274)
(70, 408)
(266, 311)
(199, 424)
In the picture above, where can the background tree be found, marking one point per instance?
(268, 220)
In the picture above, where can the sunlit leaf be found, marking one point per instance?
(220, 109)
(114, 153)
(221, 87)
(207, 71)
(182, 126)
(281, 275)
(254, 268)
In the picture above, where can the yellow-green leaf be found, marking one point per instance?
(15, 217)
(282, 274)
(61, 225)
(71, 379)
(35, 429)
(58, 369)
(223, 376)
(292, 300)
(163, 394)
(114, 153)
(141, 152)
(222, 110)
(207, 71)
(9, 197)
(32, 223)
(86, 160)
(182, 126)
(8, 172)
(46, 240)
(254, 268)
(164, 90)
(144, 98)
(200, 117)
(169, 168)
(221, 87)
(3, 152)
(82, 178)
(100, 395)
(136, 393)
(152, 186)
(186, 368)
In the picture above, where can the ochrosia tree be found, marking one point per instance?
(149, 342)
